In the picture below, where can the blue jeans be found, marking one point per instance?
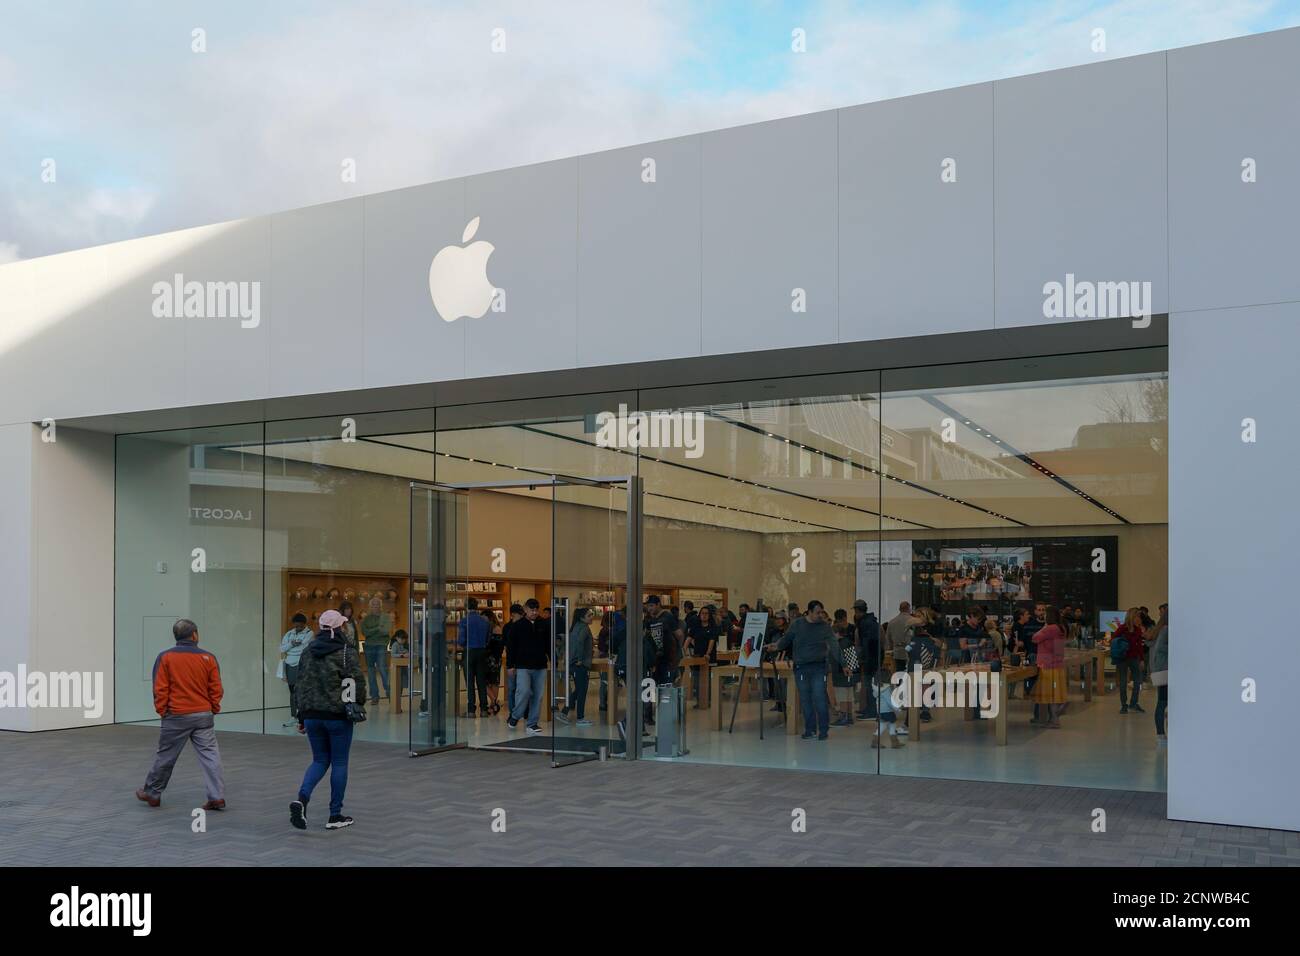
(1162, 704)
(511, 681)
(375, 661)
(812, 698)
(530, 685)
(331, 742)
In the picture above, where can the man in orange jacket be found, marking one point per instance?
(187, 695)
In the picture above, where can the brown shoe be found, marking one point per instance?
(146, 798)
(894, 742)
(215, 805)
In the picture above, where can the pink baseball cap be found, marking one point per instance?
(332, 619)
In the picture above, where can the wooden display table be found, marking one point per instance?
(695, 672)
(1095, 657)
(1009, 675)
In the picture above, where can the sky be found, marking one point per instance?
(113, 125)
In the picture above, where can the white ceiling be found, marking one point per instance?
(814, 465)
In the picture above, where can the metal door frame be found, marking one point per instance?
(633, 486)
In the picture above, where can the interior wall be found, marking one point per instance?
(681, 553)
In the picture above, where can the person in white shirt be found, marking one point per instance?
(292, 645)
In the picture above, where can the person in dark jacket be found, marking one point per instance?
(329, 678)
(703, 634)
(528, 653)
(664, 631)
(580, 657)
(867, 629)
(689, 615)
(843, 680)
(516, 613)
(811, 643)
(777, 624)
(472, 636)
(496, 646)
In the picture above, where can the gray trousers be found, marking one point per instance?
(198, 730)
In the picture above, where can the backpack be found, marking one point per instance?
(849, 657)
(1118, 648)
(921, 650)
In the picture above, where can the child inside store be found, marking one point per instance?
(887, 722)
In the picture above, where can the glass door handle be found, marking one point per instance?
(560, 620)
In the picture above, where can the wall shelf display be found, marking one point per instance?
(315, 592)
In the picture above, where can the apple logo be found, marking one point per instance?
(458, 281)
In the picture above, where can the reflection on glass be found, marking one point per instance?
(189, 544)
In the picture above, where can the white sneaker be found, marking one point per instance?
(534, 731)
(902, 729)
(584, 722)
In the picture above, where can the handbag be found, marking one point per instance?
(1159, 678)
(279, 670)
(351, 709)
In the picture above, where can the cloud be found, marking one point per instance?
(153, 137)
(9, 252)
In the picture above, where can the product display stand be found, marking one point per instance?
(740, 689)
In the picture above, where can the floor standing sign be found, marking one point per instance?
(751, 656)
(751, 639)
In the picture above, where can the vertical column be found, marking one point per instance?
(57, 565)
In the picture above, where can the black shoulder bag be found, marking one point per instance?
(351, 709)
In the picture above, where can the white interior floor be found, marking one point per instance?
(1096, 746)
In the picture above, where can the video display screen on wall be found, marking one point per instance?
(1002, 575)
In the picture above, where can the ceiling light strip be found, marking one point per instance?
(742, 481)
(867, 468)
(1029, 460)
(648, 494)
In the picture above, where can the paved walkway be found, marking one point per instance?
(66, 798)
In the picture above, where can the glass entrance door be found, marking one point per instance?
(439, 544)
(571, 695)
(590, 548)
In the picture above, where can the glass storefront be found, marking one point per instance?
(970, 492)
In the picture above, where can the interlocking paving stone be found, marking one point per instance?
(67, 798)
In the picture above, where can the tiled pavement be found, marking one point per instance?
(66, 798)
